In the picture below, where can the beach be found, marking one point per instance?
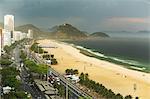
(112, 76)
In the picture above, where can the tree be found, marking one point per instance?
(40, 50)
(23, 56)
(136, 97)
(54, 61)
(81, 77)
(75, 71)
(52, 56)
(86, 76)
(119, 96)
(7, 49)
(21, 95)
(45, 52)
(67, 71)
(9, 77)
(5, 62)
(99, 88)
(128, 97)
(36, 68)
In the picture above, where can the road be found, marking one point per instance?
(72, 87)
(25, 78)
(78, 92)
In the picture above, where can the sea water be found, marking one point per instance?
(133, 51)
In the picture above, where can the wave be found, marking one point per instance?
(92, 52)
(125, 61)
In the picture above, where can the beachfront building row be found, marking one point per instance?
(8, 35)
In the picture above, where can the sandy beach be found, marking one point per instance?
(112, 76)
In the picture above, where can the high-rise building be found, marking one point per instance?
(9, 23)
(8, 29)
(0, 42)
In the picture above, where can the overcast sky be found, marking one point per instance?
(87, 15)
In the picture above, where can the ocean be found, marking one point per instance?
(132, 51)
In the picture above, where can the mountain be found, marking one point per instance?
(1, 25)
(67, 31)
(36, 31)
(98, 34)
(144, 31)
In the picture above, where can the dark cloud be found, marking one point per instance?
(86, 14)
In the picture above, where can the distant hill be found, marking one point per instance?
(98, 34)
(36, 31)
(1, 25)
(67, 31)
(143, 31)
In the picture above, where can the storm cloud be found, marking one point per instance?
(88, 15)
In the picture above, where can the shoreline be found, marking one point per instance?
(113, 76)
(108, 59)
(116, 65)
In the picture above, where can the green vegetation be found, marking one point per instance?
(5, 62)
(54, 61)
(16, 95)
(36, 48)
(99, 88)
(50, 57)
(64, 31)
(8, 49)
(85, 98)
(60, 88)
(128, 97)
(24, 28)
(9, 75)
(71, 72)
(47, 56)
(23, 55)
(67, 31)
(33, 67)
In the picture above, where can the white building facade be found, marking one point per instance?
(30, 34)
(9, 23)
(17, 35)
(7, 38)
(0, 42)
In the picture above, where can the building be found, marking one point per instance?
(30, 34)
(9, 23)
(6, 89)
(6, 38)
(17, 35)
(0, 42)
(8, 29)
(23, 35)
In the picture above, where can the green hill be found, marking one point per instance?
(36, 31)
(1, 25)
(67, 31)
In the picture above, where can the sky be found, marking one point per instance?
(87, 15)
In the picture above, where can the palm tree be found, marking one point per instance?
(67, 71)
(119, 96)
(128, 97)
(86, 76)
(75, 71)
(136, 97)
